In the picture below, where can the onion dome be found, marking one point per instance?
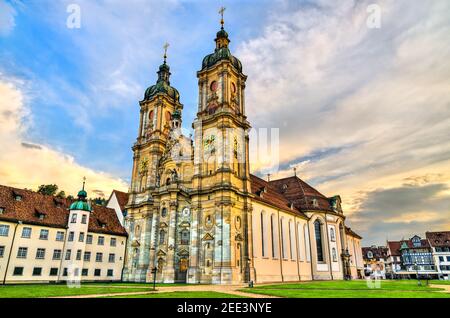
(222, 52)
(162, 84)
(81, 203)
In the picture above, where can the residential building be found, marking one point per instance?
(375, 258)
(440, 244)
(117, 201)
(48, 239)
(410, 258)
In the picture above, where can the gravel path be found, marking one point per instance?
(227, 289)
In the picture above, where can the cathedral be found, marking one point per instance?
(196, 214)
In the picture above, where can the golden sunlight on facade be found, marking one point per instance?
(195, 213)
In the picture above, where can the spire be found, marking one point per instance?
(222, 36)
(164, 69)
(81, 203)
(82, 194)
(166, 46)
(221, 12)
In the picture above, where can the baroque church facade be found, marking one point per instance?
(195, 213)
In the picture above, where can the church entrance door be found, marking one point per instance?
(181, 273)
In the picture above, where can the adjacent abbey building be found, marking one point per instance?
(195, 213)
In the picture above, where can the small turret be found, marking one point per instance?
(81, 203)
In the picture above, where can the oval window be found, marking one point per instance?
(233, 87)
(213, 86)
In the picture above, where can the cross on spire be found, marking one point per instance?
(166, 46)
(84, 182)
(221, 12)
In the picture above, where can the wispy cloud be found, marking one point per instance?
(379, 95)
(24, 164)
(7, 18)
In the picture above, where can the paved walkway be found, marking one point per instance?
(445, 287)
(227, 289)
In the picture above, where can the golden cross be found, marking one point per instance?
(221, 11)
(166, 46)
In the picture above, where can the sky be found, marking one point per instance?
(362, 111)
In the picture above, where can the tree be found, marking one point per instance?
(48, 189)
(61, 194)
(99, 201)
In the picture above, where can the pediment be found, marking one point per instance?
(163, 225)
(161, 253)
(208, 237)
(183, 252)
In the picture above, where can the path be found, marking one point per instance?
(445, 287)
(227, 289)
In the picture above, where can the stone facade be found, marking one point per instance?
(194, 207)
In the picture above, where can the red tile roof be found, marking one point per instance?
(379, 252)
(55, 211)
(292, 190)
(270, 196)
(122, 198)
(394, 248)
(301, 194)
(439, 239)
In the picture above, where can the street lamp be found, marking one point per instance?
(154, 269)
(417, 274)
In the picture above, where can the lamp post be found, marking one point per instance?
(154, 269)
(417, 274)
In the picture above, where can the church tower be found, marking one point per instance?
(221, 183)
(160, 120)
(161, 102)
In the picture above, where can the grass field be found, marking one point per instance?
(317, 289)
(352, 289)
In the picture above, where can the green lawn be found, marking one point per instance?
(34, 291)
(181, 294)
(350, 289)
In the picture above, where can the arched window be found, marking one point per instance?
(162, 237)
(319, 246)
(283, 239)
(184, 237)
(301, 246)
(164, 212)
(137, 231)
(168, 181)
(274, 232)
(334, 254)
(292, 240)
(307, 243)
(332, 234)
(262, 235)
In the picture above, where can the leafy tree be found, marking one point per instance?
(48, 189)
(99, 201)
(61, 194)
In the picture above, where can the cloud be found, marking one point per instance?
(7, 18)
(379, 97)
(403, 211)
(27, 165)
